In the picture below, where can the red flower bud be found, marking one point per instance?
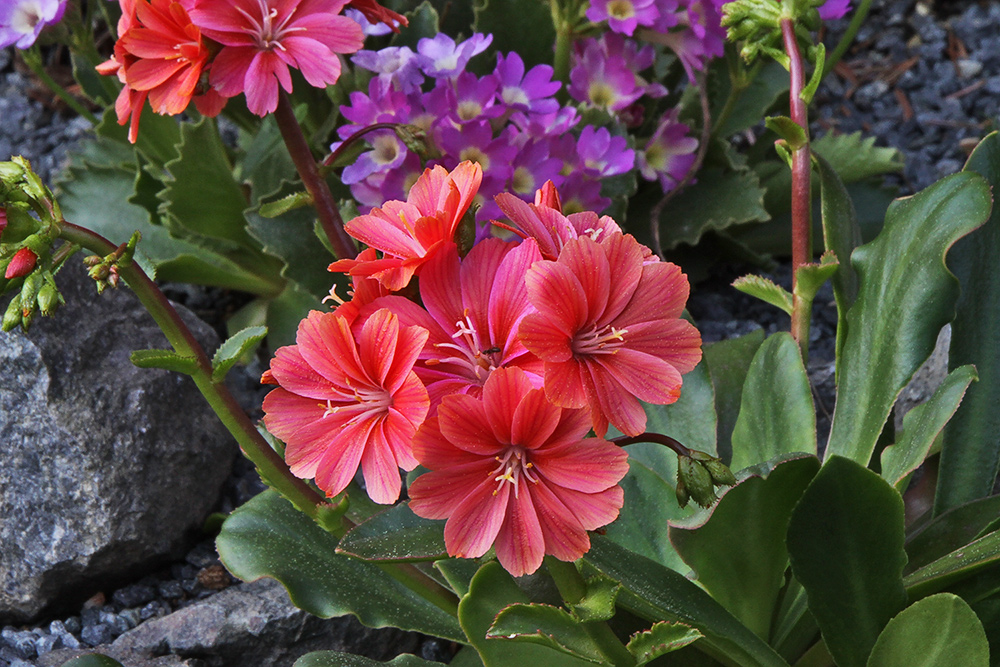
(548, 196)
(21, 264)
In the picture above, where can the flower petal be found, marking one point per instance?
(590, 465)
(474, 524)
(520, 545)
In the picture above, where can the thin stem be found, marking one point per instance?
(801, 189)
(270, 465)
(655, 438)
(335, 155)
(706, 133)
(33, 59)
(740, 80)
(848, 38)
(305, 164)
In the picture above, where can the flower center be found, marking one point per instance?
(514, 95)
(386, 149)
(512, 466)
(474, 356)
(268, 33)
(363, 402)
(25, 17)
(601, 94)
(592, 340)
(522, 182)
(621, 9)
(469, 109)
(475, 154)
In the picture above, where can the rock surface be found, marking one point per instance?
(105, 468)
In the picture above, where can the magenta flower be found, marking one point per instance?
(624, 16)
(262, 38)
(343, 403)
(608, 329)
(669, 153)
(514, 472)
(834, 9)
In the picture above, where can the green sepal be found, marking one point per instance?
(548, 626)
(810, 277)
(236, 348)
(664, 637)
(330, 515)
(273, 209)
(789, 130)
(810, 88)
(165, 359)
(766, 290)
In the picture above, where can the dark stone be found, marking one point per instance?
(135, 595)
(95, 635)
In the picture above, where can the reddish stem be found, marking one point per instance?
(656, 439)
(305, 164)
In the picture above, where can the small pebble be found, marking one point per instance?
(95, 635)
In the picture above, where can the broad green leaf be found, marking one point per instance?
(395, 535)
(165, 359)
(691, 419)
(458, 572)
(466, 657)
(660, 639)
(266, 163)
(338, 659)
(921, 427)
(766, 290)
(92, 660)
(939, 631)
(549, 626)
(719, 199)
(656, 593)
(268, 537)
(856, 158)
(285, 311)
(906, 295)
(424, 22)
(970, 453)
(773, 422)
(491, 591)
(841, 235)
(728, 362)
(157, 141)
(964, 562)
(737, 548)
(951, 530)
(234, 349)
(760, 95)
(506, 21)
(845, 542)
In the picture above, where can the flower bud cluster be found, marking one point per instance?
(698, 474)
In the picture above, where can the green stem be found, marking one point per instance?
(848, 38)
(270, 465)
(563, 46)
(33, 59)
(740, 80)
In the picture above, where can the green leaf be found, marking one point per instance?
(770, 83)
(395, 535)
(492, 590)
(719, 199)
(772, 422)
(201, 196)
(157, 141)
(841, 235)
(856, 159)
(92, 660)
(691, 419)
(737, 549)
(266, 163)
(234, 349)
(787, 129)
(166, 359)
(970, 452)
(811, 276)
(906, 295)
(922, 425)
(766, 290)
(506, 21)
(845, 542)
(662, 638)
(338, 659)
(284, 313)
(951, 530)
(659, 594)
(728, 362)
(598, 603)
(268, 537)
(424, 22)
(939, 631)
(548, 626)
(819, 58)
(287, 203)
(458, 572)
(964, 562)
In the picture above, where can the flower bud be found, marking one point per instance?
(548, 196)
(697, 481)
(49, 297)
(21, 264)
(11, 173)
(720, 473)
(29, 290)
(12, 317)
(682, 494)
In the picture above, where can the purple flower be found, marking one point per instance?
(473, 98)
(474, 141)
(21, 21)
(624, 16)
(601, 80)
(603, 155)
(669, 153)
(398, 65)
(533, 165)
(526, 92)
(579, 193)
(834, 9)
(441, 57)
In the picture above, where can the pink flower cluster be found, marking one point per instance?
(493, 377)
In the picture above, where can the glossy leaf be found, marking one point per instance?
(165, 359)
(766, 290)
(691, 419)
(265, 164)
(906, 295)
(492, 590)
(458, 572)
(951, 530)
(845, 542)
(338, 659)
(656, 593)
(922, 425)
(549, 626)
(964, 562)
(285, 311)
(737, 549)
(424, 22)
(728, 362)
(395, 535)
(970, 453)
(267, 537)
(939, 631)
(660, 639)
(771, 422)
(234, 349)
(92, 660)
(157, 141)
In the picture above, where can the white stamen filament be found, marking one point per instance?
(592, 341)
(513, 465)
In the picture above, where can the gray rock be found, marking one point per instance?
(106, 468)
(256, 624)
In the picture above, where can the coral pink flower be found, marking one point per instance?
(343, 404)
(363, 291)
(410, 233)
(159, 55)
(514, 472)
(607, 328)
(473, 309)
(262, 38)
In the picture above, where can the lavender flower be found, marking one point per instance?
(834, 9)
(603, 155)
(442, 57)
(668, 154)
(531, 91)
(624, 16)
(21, 21)
(398, 65)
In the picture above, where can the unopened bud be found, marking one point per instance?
(697, 481)
(30, 289)
(682, 494)
(12, 316)
(721, 474)
(48, 297)
(10, 173)
(548, 196)
(92, 260)
(99, 272)
(113, 276)
(21, 264)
